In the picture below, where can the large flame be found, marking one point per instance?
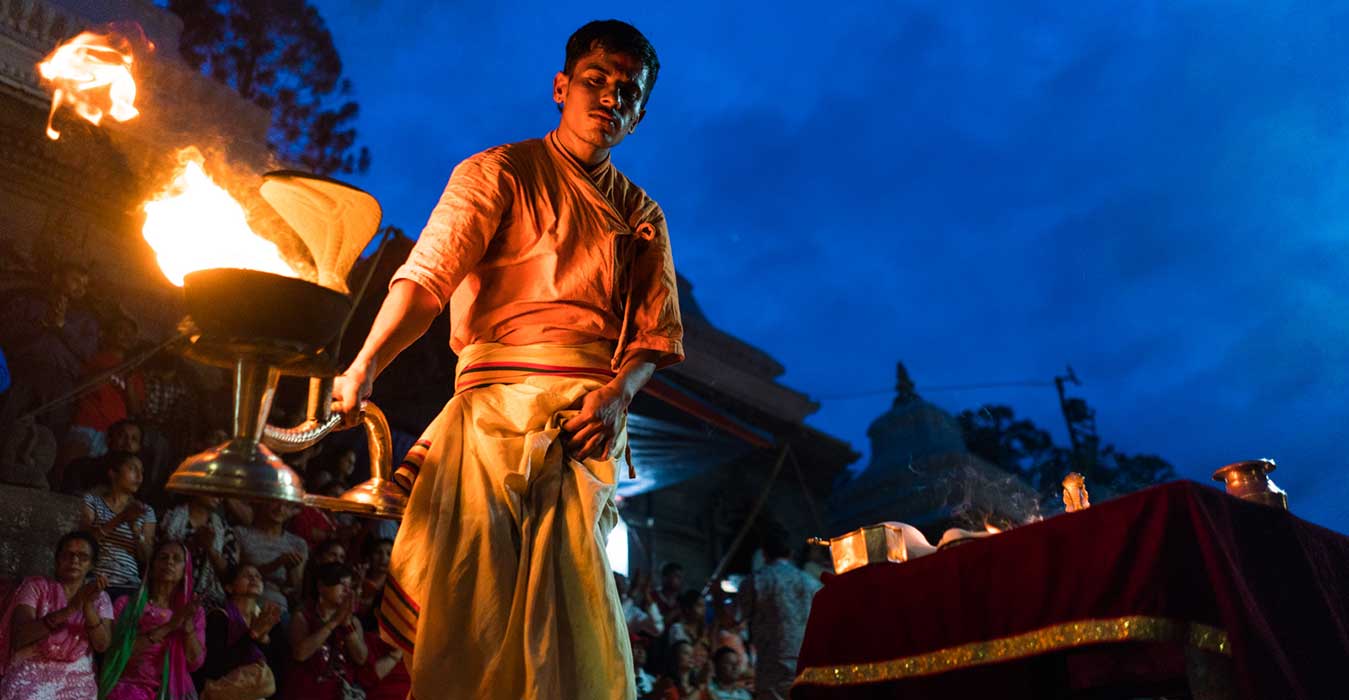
(196, 225)
(81, 68)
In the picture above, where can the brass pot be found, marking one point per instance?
(1249, 481)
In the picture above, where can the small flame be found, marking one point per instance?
(79, 70)
(196, 225)
(990, 529)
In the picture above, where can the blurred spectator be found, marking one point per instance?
(326, 552)
(344, 465)
(315, 525)
(278, 554)
(329, 552)
(776, 601)
(646, 683)
(373, 575)
(384, 676)
(327, 641)
(816, 561)
(671, 586)
(161, 633)
(167, 417)
(728, 630)
(197, 523)
(726, 682)
(692, 624)
(117, 398)
(235, 667)
(52, 627)
(27, 453)
(125, 526)
(87, 472)
(48, 336)
(682, 680)
(641, 612)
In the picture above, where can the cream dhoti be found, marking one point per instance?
(499, 586)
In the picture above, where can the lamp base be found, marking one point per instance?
(238, 469)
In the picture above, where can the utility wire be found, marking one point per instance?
(926, 389)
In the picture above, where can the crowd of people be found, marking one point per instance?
(208, 598)
(737, 642)
(224, 599)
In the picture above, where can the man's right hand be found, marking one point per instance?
(351, 389)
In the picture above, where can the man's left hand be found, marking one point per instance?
(591, 432)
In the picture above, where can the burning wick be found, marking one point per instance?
(80, 68)
(990, 529)
(196, 225)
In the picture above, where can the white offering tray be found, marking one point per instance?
(888, 541)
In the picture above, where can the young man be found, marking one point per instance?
(561, 287)
(776, 600)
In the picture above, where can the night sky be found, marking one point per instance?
(1154, 193)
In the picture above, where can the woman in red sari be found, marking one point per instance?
(327, 641)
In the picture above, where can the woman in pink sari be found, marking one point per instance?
(160, 635)
(53, 626)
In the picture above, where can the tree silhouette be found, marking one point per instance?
(280, 55)
(1018, 446)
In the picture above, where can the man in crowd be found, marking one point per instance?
(563, 302)
(776, 601)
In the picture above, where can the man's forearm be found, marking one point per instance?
(406, 313)
(635, 373)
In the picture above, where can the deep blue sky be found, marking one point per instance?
(1154, 192)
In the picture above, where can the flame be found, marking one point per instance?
(990, 529)
(196, 225)
(79, 70)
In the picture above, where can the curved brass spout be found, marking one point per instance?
(319, 423)
(379, 497)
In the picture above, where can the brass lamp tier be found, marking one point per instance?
(261, 326)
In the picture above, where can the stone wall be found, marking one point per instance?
(31, 521)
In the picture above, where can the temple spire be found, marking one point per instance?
(904, 387)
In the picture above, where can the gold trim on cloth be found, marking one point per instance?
(1137, 628)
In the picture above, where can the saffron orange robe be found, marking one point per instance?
(499, 586)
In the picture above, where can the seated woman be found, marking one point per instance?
(197, 522)
(684, 679)
(385, 677)
(278, 554)
(160, 635)
(53, 626)
(124, 526)
(372, 577)
(235, 667)
(327, 641)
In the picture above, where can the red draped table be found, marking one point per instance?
(1119, 600)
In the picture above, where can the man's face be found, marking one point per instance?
(74, 282)
(673, 581)
(728, 667)
(125, 438)
(603, 98)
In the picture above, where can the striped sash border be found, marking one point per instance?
(484, 373)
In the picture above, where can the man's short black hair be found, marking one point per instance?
(774, 541)
(114, 460)
(618, 37)
(671, 568)
(124, 423)
(84, 535)
(722, 651)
